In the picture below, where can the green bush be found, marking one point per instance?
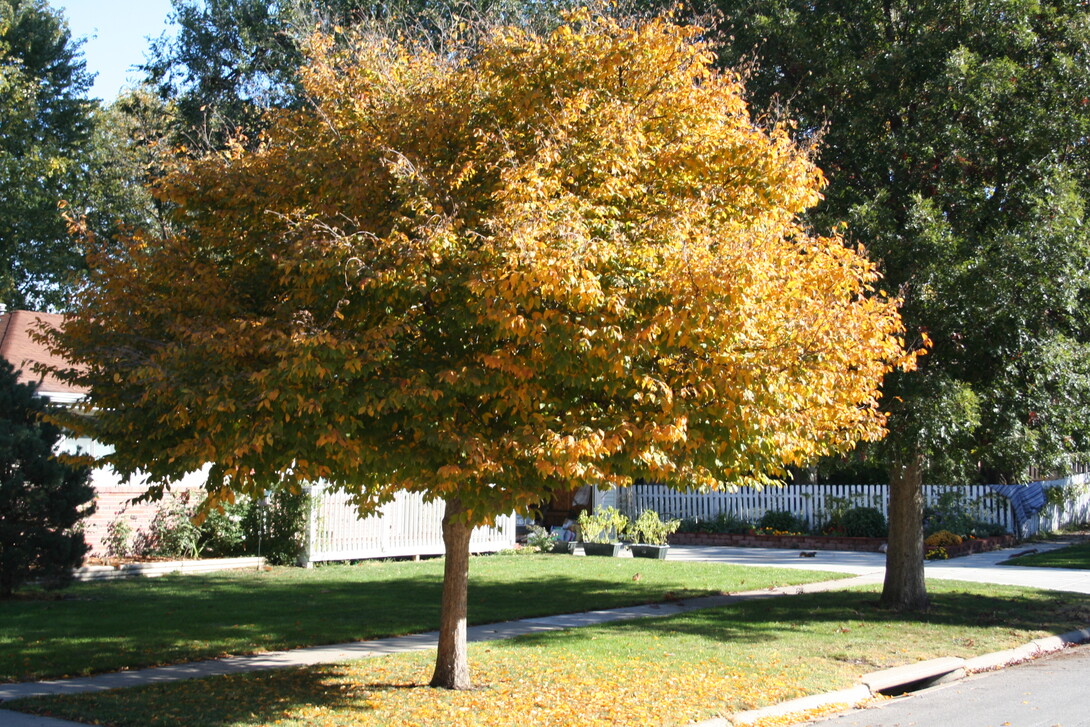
(782, 521)
(949, 514)
(725, 522)
(835, 507)
(274, 528)
(864, 522)
(982, 529)
(119, 534)
(222, 534)
(171, 533)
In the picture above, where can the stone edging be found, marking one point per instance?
(161, 568)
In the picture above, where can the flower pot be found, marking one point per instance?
(606, 549)
(656, 552)
(564, 547)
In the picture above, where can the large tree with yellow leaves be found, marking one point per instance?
(509, 267)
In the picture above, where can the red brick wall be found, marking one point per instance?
(111, 503)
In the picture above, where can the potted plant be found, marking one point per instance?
(649, 535)
(600, 531)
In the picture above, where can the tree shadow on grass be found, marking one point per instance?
(137, 624)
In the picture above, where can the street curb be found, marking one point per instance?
(933, 671)
(847, 697)
(1026, 652)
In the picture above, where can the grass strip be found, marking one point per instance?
(652, 671)
(1073, 556)
(108, 626)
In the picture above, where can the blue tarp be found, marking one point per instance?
(1026, 500)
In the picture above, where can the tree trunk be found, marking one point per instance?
(905, 588)
(452, 662)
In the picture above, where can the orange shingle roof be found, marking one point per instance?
(22, 351)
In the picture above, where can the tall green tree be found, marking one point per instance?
(130, 140)
(956, 138)
(45, 129)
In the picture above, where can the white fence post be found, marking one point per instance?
(311, 534)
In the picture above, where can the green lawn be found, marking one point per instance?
(108, 626)
(1073, 556)
(653, 671)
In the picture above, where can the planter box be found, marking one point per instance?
(656, 552)
(162, 568)
(564, 547)
(606, 549)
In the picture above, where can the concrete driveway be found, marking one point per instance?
(978, 568)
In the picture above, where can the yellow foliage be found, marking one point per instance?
(941, 539)
(517, 266)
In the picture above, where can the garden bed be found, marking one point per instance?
(977, 545)
(154, 568)
(789, 542)
(829, 542)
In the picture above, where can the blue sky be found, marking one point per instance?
(117, 33)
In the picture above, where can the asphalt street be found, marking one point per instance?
(1048, 692)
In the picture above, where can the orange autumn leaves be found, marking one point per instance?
(507, 267)
(515, 686)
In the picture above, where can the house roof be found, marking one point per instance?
(23, 352)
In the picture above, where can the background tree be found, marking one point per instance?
(45, 128)
(41, 498)
(956, 136)
(129, 139)
(231, 60)
(488, 272)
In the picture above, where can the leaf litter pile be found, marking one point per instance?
(513, 686)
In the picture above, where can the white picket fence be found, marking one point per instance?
(810, 502)
(407, 526)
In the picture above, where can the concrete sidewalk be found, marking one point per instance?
(868, 568)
